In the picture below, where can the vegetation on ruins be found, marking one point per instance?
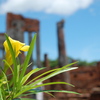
(80, 63)
(15, 85)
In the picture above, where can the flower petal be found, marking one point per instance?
(17, 46)
(6, 46)
(24, 48)
(8, 58)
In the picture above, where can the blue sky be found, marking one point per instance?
(81, 30)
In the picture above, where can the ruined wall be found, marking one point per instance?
(17, 25)
(85, 80)
(85, 77)
(30, 25)
(2, 39)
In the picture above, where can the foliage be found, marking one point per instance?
(17, 86)
(53, 63)
(85, 63)
(80, 63)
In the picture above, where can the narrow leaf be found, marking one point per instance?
(28, 56)
(26, 99)
(25, 78)
(63, 91)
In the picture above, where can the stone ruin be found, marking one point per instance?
(16, 26)
(85, 79)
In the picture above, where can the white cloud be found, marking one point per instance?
(65, 7)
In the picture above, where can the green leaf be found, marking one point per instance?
(1, 97)
(9, 66)
(50, 83)
(64, 91)
(42, 75)
(6, 81)
(13, 59)
(25, 78)
(29, 87)
(33, 85)
(69, 64)
(50, 94)
(52, 74)
(18, 70)
(12, 53)
(22, 95)
(26, 99)
(28, 56)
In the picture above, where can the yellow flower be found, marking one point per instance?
(17, 47)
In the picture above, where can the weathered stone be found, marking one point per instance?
(95, 95)
(38, 49)
(30, 25)
(17, 25)
(62, 51)
(61, 44)
(46, 61)
(2, 39)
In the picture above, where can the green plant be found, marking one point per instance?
(17, 86)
